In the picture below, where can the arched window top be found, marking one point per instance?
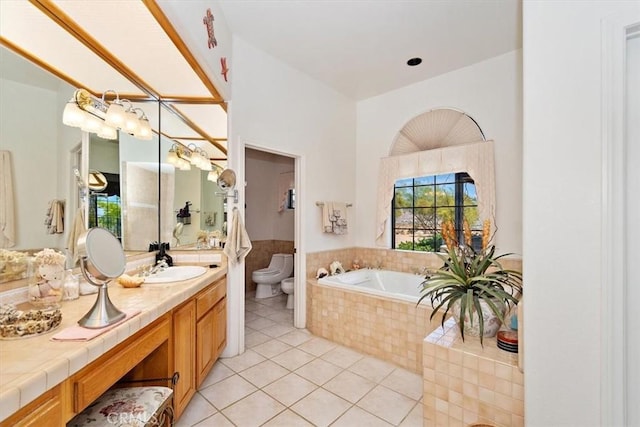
(437, 128)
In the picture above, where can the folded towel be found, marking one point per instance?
(334, 217)
(7, 202)
(79, 333)
(238, 243)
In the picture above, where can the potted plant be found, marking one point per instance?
(471, 282)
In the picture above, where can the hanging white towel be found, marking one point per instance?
(334, 217)
(77, 228)
(54, 220)
(238, 243)
(7, 202)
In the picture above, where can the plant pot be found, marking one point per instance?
(492, 322)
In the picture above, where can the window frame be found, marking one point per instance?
(460, 179)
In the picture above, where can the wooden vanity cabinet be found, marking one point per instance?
(184, 354)
(211, 327)
(45, 411)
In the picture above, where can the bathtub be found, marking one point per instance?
(386, 283)
(374, 312)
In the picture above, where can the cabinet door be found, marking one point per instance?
(45, 411)
(206, 353)
(221, 326)
(184, 344)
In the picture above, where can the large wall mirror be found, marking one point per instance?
(144, 193)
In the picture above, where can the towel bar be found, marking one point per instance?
(322, 204)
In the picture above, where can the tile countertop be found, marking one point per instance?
(31, 366)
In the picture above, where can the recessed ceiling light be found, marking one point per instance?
(414, 61)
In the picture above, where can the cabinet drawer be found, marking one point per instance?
(210, 296)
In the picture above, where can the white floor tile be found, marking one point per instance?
(255, 338)
(387, 404)
(342, 356)
(289, 389)
(260, 323)
(264, 373)
(372, 368)
(254, 410)
(197, 410)
(246, 360)
(414, 419)
(296, 337)
(217, 420)
(227, 391)
(293, 359)
(405, 382)
(349, 386)
(277, 329)
(271, 348)
(359, 417)
(318, 371)
(321, 407)
(219, 372)
(317, 346)
(288, 419)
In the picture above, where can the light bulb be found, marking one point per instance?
(116, 115)
(107, 132)
(144, 130)
(131, 122)
(72, 115)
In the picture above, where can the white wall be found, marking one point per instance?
(278, 108)
(562, 210)
(490, 92)
(263, 220)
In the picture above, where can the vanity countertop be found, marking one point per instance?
(31, 366)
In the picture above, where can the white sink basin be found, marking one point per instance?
(175, 274)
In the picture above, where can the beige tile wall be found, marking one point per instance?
(260, 256)
(387, 259)
(465, 383)
(391, 330)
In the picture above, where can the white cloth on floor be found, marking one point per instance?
(77, 228)
(334, 217)
(7, 202)
(238, 243)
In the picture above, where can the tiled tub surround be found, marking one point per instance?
(31, 366)
(465, 383)
(260, 256)
(387, 328)
(388, 259)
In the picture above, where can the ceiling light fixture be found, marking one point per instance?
(98, 116)
(183, 157)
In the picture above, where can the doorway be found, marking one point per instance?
(270, 216)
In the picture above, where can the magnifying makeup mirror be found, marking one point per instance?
(101, 260)
(97, 181)
(227, 182)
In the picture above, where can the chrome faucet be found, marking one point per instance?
(160, 266)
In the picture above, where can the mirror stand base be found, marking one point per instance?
(103, 313)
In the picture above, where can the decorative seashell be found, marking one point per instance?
(336, 268)
(321, 273)
(127, 281)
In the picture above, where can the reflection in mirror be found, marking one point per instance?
(182, 188)
(42, 150)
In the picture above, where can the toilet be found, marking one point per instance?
(268, 279)
(287, 288)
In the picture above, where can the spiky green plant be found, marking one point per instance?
(469, 277)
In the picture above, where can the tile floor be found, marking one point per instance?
(288, 377)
